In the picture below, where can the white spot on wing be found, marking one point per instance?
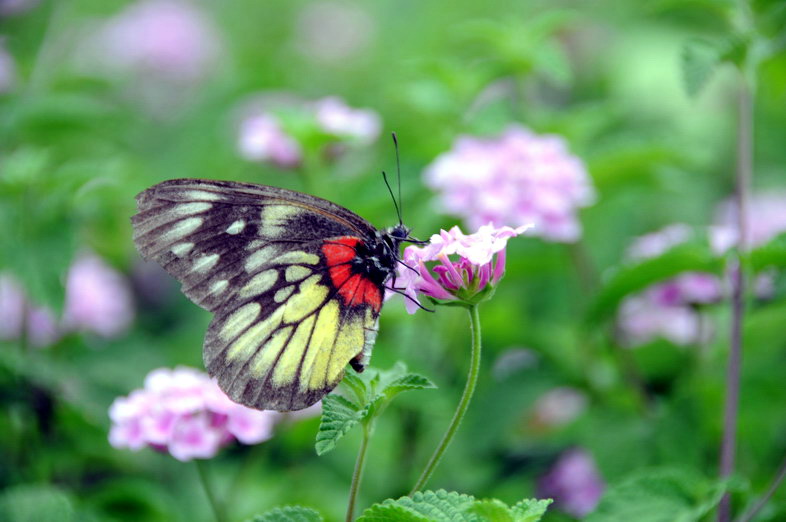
(181, 228)
(260, 283)
(219, 286)
(181, 249)
(205, 262)
(191, 208)
(236, 227)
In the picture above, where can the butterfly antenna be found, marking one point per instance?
(398, 176)
(395, 204)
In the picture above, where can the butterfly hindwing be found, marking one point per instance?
(271, 265)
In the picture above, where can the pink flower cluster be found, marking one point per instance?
(264, 138)
(765, 219)
(667, 309)
(480, 265)
(517, 178)
(183, 412)
(14, 7)
(558, 407)
(20, 317)
(98, 300)
(573, 482)
(166, 39)
(7, 70)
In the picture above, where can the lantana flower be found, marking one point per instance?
(573, 482)
(170, 40)
(98, 298)
(517, 178)
(455, 268)
(185, 413)
(266, 133)
(18, 316)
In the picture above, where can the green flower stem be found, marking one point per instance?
(469, 390)
(218, 512)
(357, 475)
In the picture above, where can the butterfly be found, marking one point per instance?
(295, 283)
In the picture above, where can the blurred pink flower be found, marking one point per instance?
(640, 320)
(336, 117)
(7, 70)
(168, 39)
(184, 413)
(573, 482)
(98, 298)
(517, 178)
(558, 407)
(12, 7)
(469, 278)
(766, 219)
(39, 323)
(262, 139)
(333, 31)
(658, 243)
(264, 136)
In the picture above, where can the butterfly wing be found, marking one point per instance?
(270, 264)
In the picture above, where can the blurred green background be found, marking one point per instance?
(84, 128)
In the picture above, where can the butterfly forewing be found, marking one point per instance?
(273, 267)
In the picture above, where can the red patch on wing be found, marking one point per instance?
(341, 250)
(354, 288)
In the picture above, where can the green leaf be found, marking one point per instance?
(530, 509)
(410, 381)
(634, 277)
(442, 505)
(665, 495)
(492, 510)
(35, 503)
(772, 254)
(700, 59)
(289, 514)
(426, 505)
(339, 415)
(356, 386)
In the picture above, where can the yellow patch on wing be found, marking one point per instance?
(260, 283)
(296, 257)
(309, 297)
(260, 258)
(269, 352)
(296, 273)
(239, 320)
(282, 294)
(247, 344)
(275, 219)
(288, 364)
(349, 342)
(316, 361)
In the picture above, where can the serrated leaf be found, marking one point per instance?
(665, 495)
(491, 510)
(433, 505)
(35, 503)
(530, 509)
(634, 277)
(339, 415)
(700, 58)
(391, 513)
(410, 381)
(289, 514)
(772, 254)
(356, 386)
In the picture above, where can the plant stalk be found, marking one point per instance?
(744, 174)
(218, 512)
(357, 475)
(466, 397)
(779, 476)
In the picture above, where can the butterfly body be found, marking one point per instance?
(295, 283)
